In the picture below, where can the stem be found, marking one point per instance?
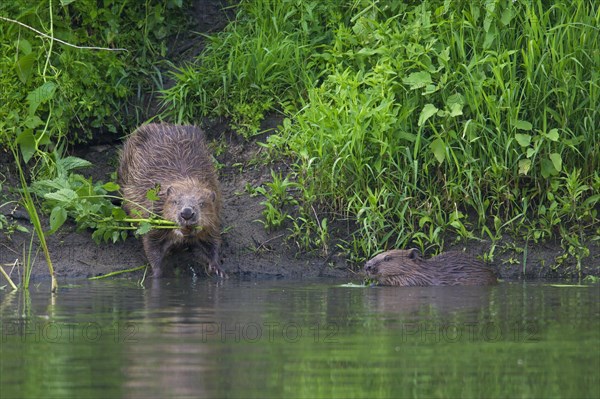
(58, 40)
(35, 219)
(135, 269)
(7, 277)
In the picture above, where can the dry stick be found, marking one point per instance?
(134, 269)
(61, 41)
(7, 277)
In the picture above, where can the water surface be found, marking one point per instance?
(299, 339)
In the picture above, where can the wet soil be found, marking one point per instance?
(249, 250)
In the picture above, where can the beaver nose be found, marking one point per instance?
(368, 267)
(187, 213)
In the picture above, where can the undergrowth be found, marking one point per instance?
(94, 80)
(264, 60)
(417, 121)
(70, 70)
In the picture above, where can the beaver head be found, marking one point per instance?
(399, 267)
(190, 204)
(395, 261)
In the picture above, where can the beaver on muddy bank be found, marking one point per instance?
(175, 160)
(407, 268)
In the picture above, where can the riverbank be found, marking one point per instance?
(249, 250)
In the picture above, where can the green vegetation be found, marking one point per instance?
(417, 121)
(414, 123)
(266, 59)
(69, 70)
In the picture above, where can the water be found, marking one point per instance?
(300, 339)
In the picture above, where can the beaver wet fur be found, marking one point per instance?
(175, 159)
(407, 268)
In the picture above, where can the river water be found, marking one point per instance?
(299, 339)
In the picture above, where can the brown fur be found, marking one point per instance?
(408, 268)
(176, 159)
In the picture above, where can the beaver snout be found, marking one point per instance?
(187, 213)
(370, 268)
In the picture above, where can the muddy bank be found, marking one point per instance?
(248, 249)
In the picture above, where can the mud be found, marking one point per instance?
(248, 251)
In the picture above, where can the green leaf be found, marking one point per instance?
(110, 186)
(553, 135)
(63, 195)
(27, 144)
(490, 36)
(438, 147)
(524, 166)
(24, 66)
(455, 104)
(430, 89)
(417, 80)
(97, 235)
(507, 15)
(143, 228)
(152, 194)
(523, 125)
(427, 112)
(523, 139)
(33, 121)
(592, 201)
(118, 214)
(58, 216)
(556, 161)
(548, 169)
(530, 152)
(40, 95)
(22, 229)
(70, 163)
(24, 46)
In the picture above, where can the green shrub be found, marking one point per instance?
(57, 92)
(456, 109)
(263, 61)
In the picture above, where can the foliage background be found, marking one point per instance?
(419, 122)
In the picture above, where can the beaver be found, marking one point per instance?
(407, 268)
(174, 160)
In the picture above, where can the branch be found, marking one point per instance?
(61, 41)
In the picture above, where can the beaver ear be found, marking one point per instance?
(169, 190)
(213, 196)
(414, 253)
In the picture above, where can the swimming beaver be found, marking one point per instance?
(408, 268)
(175, 160)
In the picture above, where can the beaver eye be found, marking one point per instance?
(387, 258)
(201, 204)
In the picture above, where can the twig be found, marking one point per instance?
(7, 277)
(262, 244)
(61, 41)
(135, 269)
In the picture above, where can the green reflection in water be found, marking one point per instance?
(301, 339)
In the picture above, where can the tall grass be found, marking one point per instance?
(258, 63)
(420, 119)
(469, 108)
